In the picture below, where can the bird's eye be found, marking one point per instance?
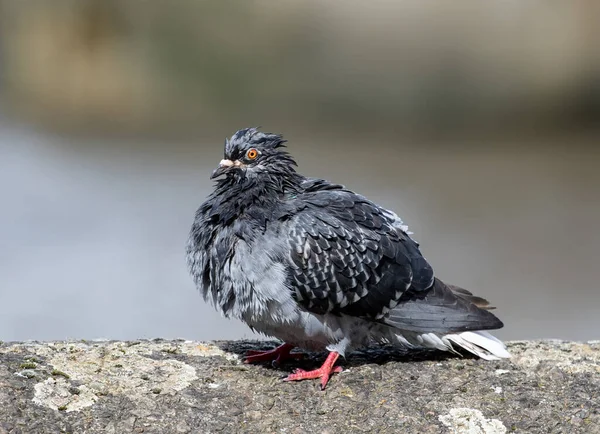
(252, 154)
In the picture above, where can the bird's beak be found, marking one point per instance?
(224, 166)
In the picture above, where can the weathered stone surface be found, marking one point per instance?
(189, 387)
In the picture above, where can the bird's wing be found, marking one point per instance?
(349, 256)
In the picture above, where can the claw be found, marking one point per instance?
(276, 355)
(324, 372)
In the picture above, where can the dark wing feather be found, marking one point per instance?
(316, 184)
(481, 303)
(348, 256)
(442, 309)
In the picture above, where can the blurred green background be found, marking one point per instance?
(477, 122)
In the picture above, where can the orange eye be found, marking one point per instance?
(252, 154)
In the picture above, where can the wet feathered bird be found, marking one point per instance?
(321, 267)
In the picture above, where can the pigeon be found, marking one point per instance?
(320, 267)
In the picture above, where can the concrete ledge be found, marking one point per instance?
(163, 386)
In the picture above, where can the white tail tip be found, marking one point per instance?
(480, 343)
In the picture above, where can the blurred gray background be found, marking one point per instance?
(476, 122)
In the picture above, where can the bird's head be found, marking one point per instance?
(249, 153)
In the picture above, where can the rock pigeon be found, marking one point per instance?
(321, 267)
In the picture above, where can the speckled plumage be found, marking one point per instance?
(319, 266)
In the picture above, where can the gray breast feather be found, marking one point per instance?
(241, 279)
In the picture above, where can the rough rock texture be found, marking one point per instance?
(180, 386)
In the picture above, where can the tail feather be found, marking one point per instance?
(481, 303)
(480, 343)
(447, 317)
(442, 309)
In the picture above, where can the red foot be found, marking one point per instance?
(276, 355)
(324, 372)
